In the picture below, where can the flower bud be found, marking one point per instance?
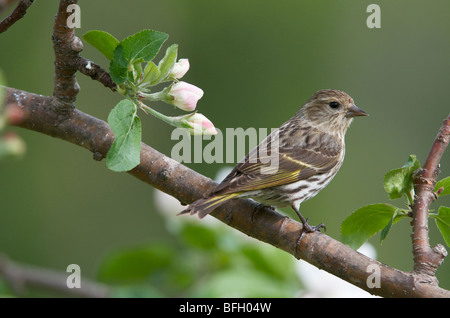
(11, 144)
(185, 96)
(200, 125)
(180, 68)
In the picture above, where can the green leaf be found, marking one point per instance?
(398, 182)
(443, 222)
(242, 283)
(199, 236)
(366, 221)
(136, 264)
(167, 62)
(102, 41)
(124, 153)
(137, 70)
(270, 261)
(443, 183)
(151, 73)
(385, 231)
(135, 291)
(140, 47)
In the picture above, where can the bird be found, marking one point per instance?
(294, 162)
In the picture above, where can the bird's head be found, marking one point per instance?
(331, 111)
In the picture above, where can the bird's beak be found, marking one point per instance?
(355, 111)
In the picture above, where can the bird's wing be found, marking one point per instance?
(259, 170)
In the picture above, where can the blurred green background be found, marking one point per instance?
(257, 61)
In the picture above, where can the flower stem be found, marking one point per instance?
(158, 115)
(156, 97)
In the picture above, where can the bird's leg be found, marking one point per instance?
(306, 227)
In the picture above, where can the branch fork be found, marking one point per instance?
(427, 259)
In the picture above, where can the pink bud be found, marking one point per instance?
(200, 125)
(180, 68)
(14, 115)
(185, 95)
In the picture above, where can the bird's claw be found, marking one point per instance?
(309, 228)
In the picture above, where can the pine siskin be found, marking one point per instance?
(309, 150)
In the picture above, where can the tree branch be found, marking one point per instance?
(19, 276)
(95, 72)
(17, 14)
(38, 113)
(67, 48)
(426, 259)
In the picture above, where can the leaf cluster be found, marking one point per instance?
(132, 78)
(371, 219)
(210, 262)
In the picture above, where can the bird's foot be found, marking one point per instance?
(309, 229)
(313, 228)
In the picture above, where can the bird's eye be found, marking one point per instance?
(334, 104)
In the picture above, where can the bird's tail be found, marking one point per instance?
(205, 206)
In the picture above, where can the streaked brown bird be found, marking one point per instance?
(294, 162)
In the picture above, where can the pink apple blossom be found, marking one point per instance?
(180, 68)
(200, 125)
(185, 96)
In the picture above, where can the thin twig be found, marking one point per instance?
(17, 14)
(38, 114)
(426, 259)
(20, 276)
(95, 72)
